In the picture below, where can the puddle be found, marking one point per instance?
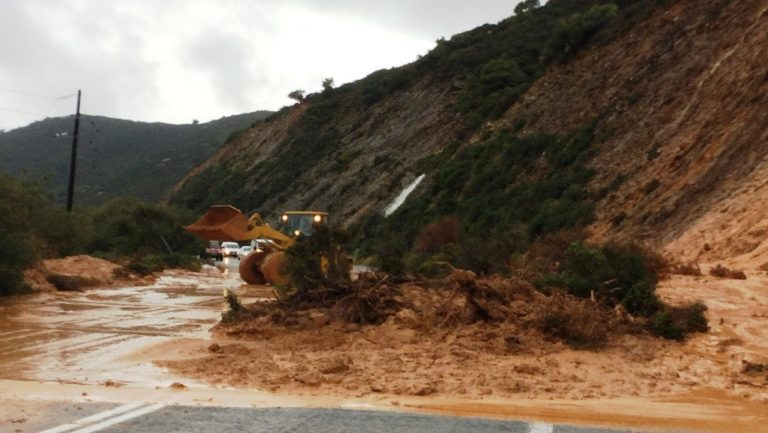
(87, 337)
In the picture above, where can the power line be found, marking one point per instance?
(21, 112)
(53, 100)
(19, 92)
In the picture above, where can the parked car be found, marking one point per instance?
(230, 249)
(244, 251)
(213, 250)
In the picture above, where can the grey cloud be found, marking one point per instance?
(55, 47)
(39, 59)
(421, 18)
(225, 58)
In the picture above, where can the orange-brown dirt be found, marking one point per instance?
(496, 365)
(100, 272)
(683, 103)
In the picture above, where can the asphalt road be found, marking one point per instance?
(159, 418)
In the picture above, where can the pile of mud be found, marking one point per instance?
(485, 338)
(461, 300)
(73, 273)
(464, 336)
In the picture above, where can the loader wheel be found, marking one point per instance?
(272, 268)
(250, 268)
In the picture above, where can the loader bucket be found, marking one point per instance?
(221, 223)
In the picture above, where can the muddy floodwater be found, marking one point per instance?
(87, 337)
(77, 351)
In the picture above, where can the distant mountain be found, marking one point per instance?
(115, 157)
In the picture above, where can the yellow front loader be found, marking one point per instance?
(263, 265)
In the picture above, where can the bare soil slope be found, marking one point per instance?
(683, 103)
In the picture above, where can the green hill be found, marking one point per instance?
(115, 157)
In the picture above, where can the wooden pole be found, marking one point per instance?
(73, 160)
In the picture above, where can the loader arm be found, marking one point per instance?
(227, 223)
(264, 231)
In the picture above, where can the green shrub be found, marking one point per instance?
(491, 90)
(128, 227)
(617, 273)
(15, 256)
(31, 228)
(575, 31)
(674, 323)
(304, 266)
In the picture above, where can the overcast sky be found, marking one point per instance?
(179, 60)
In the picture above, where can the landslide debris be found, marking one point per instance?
(427, 339)
(71, 273)
(414, 338)
(460, 300)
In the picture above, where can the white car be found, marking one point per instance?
(244, 251)
(261, 244)
(230, 249)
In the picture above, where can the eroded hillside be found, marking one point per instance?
(349, 166)
(644, 120)
(683, 129)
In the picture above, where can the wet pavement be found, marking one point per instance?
(85, 337)
(159, 418)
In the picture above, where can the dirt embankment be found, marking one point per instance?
(73, 272)
(433, 344)
(683, 103)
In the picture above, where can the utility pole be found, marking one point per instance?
(73, 160)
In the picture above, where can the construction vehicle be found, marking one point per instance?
(265, 264)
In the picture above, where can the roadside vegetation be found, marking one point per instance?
(143, 237)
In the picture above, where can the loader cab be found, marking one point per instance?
(302, 223)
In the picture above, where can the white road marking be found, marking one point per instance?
(94, 418)
(118, 419)
(540, 427)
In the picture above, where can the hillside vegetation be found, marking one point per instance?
(115, 157)
(143, 237)
(350, 150)
(594, 117)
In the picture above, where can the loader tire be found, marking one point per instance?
(250, 268)
(272, 268)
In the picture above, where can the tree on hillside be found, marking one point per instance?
(328, 84)
(525, 6)
(297, 95)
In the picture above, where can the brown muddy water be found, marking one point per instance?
(87, 337)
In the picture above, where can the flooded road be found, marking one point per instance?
(77, 362)
(87, 337)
